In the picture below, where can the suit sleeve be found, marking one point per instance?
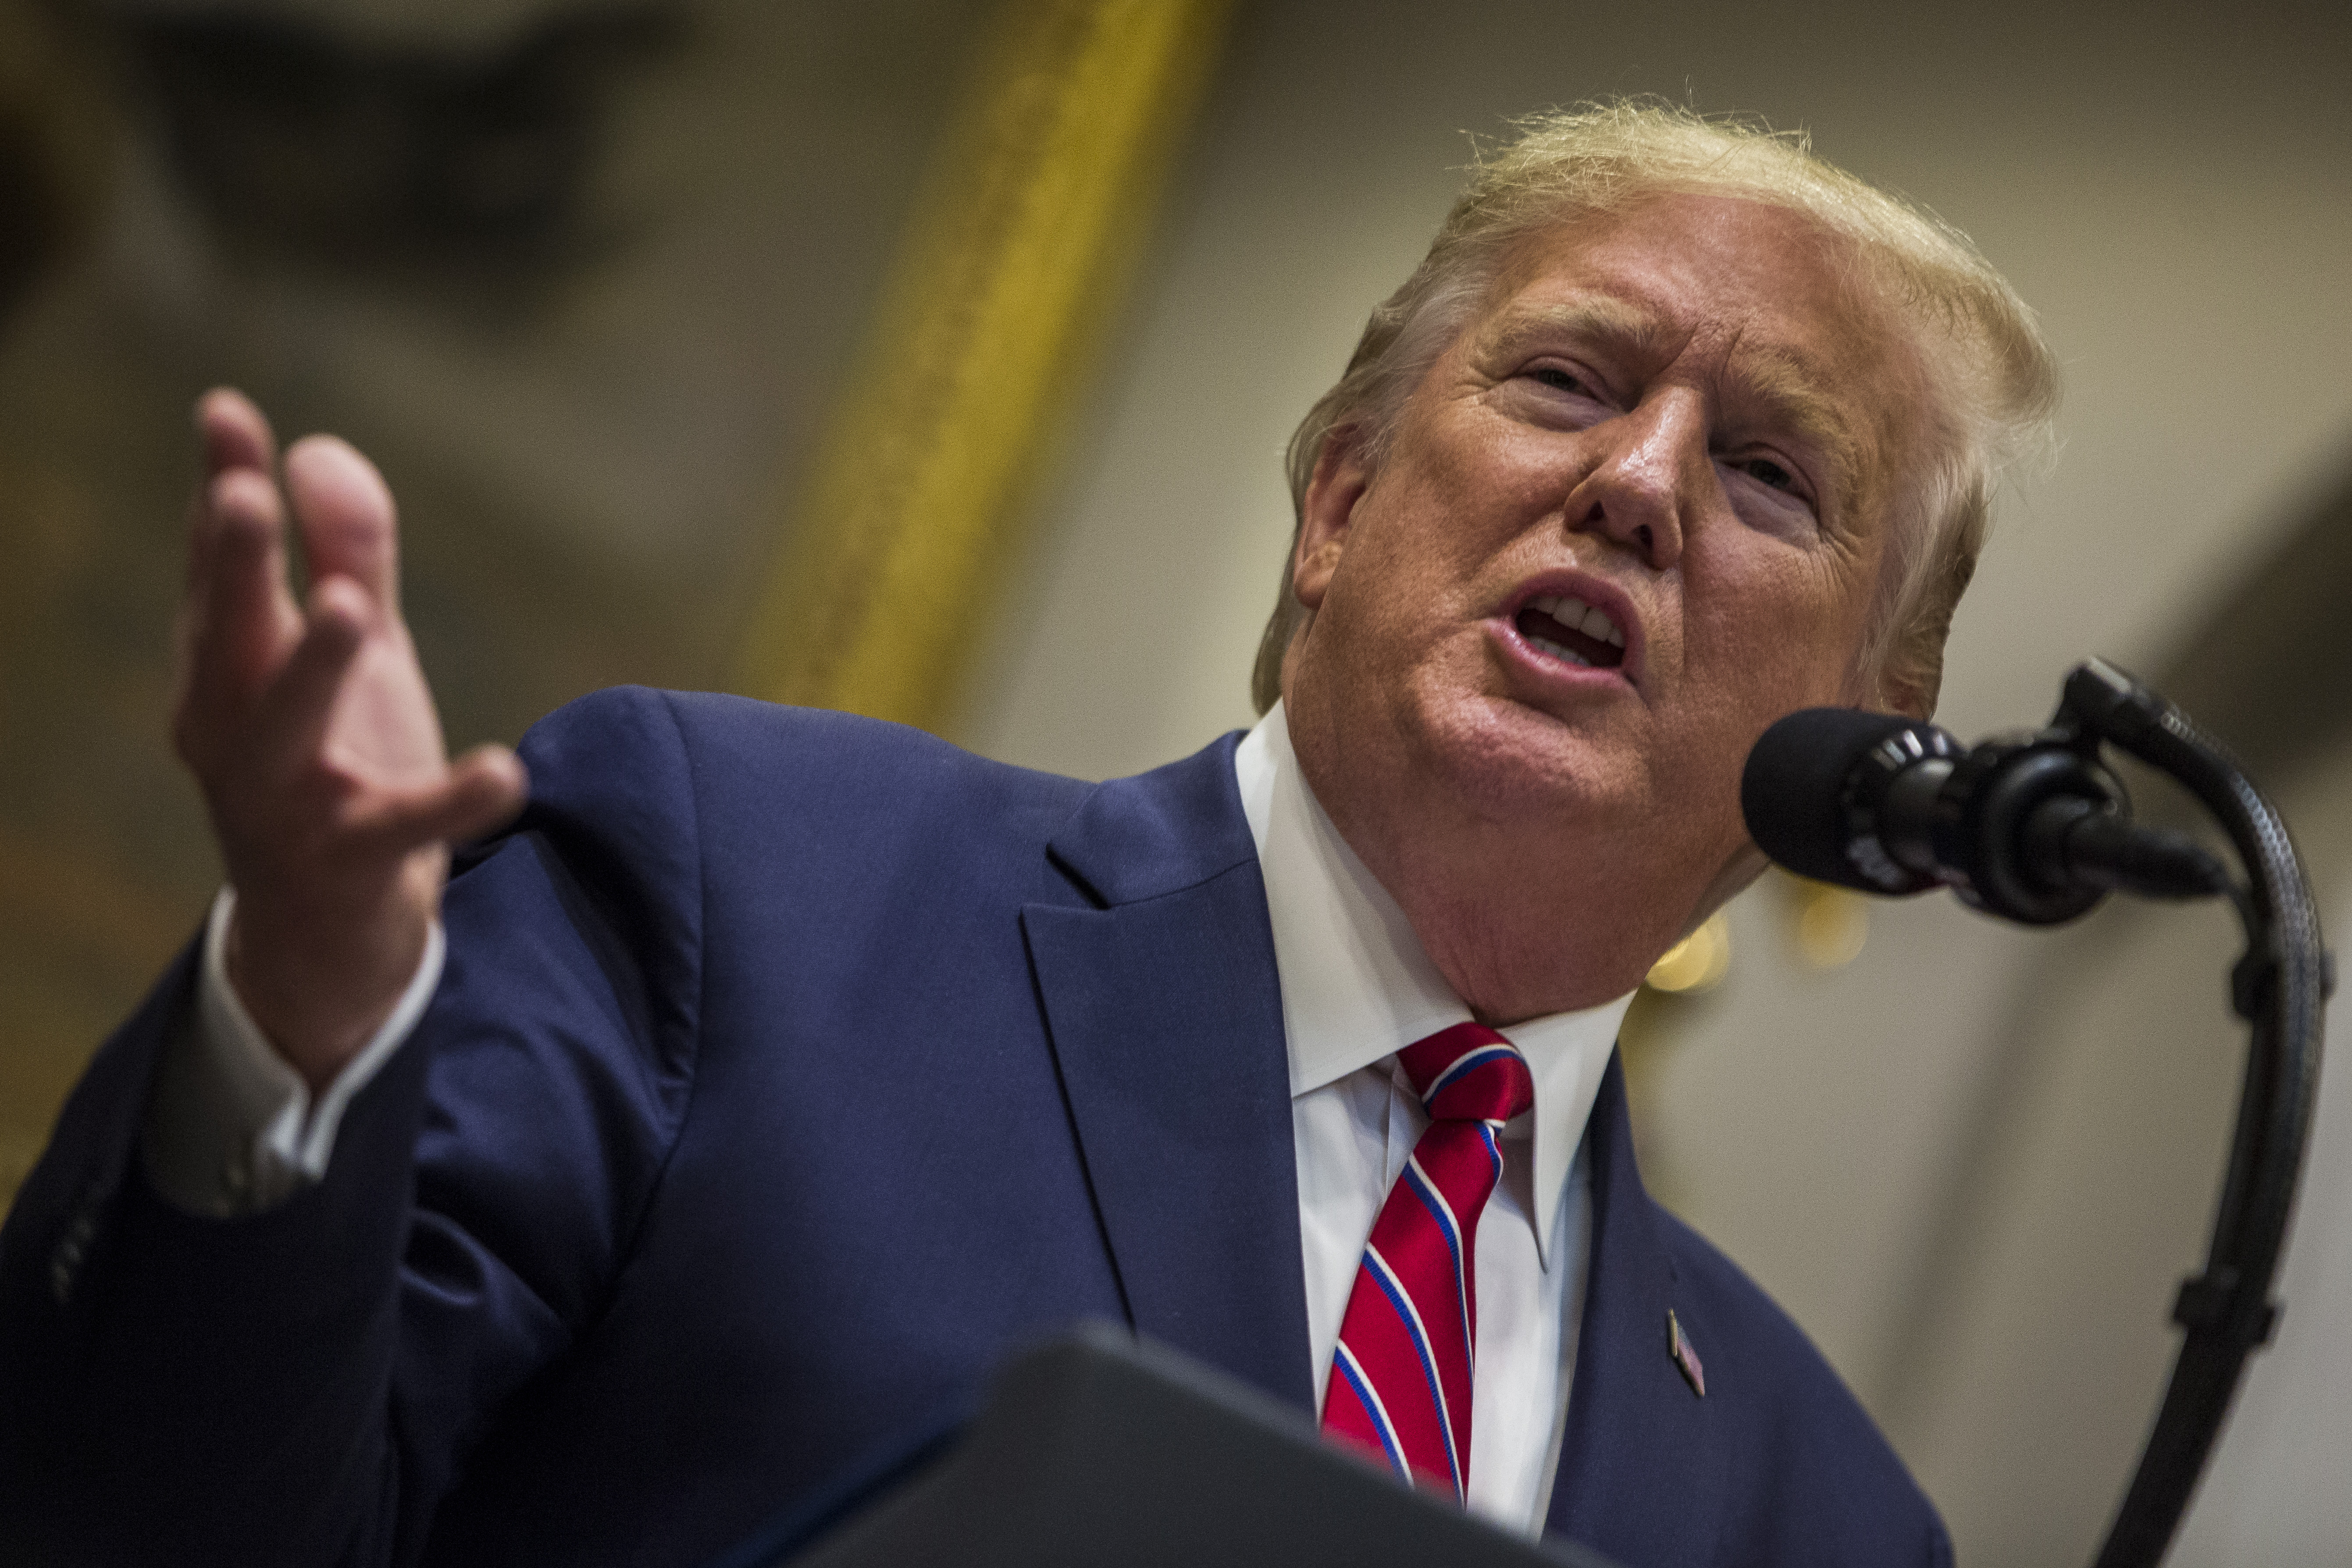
(303, 1385)
(231, 1128)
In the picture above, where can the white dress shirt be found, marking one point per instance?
(1355, 988)
(231, 1128)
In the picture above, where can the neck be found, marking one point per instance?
(1516, 936)
(1524, 916)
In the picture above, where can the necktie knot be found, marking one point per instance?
(1468, 1073)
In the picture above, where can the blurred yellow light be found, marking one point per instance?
(1831, 925)
(1697, 962)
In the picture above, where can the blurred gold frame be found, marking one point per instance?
(1022, 232)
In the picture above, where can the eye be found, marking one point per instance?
(1770, 494)
(1552, 392)
(1769, 472)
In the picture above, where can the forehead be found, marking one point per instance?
(1776, 313)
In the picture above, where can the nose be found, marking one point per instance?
(1641, 489)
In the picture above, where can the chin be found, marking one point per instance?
(1504, 760)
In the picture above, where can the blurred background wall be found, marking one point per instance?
(586, 282)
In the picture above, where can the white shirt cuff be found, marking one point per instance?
(232, 1127)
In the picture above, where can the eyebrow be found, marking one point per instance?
(1781, 384)
(1620, 325)
(1791, 393)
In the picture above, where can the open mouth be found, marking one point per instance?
(1571, 631)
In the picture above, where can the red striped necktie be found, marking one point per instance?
(1401, 1373)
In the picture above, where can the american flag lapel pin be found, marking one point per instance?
(1684, 1356)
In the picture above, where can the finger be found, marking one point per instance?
(245, 614)
(345, 512)
(235, 432)
(481, 793)
(235, 436)
(293, 716)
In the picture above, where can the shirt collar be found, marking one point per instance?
(1356, 983)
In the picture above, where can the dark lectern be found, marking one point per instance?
(1098, 1449)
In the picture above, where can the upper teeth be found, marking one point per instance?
(1577, 616)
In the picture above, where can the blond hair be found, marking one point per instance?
(1995, 379)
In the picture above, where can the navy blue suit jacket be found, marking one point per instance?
(789, 1069)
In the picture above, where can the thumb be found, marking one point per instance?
(481, 793)
(490, 787)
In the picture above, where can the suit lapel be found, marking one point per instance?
(1166, 1021)
(1641, 1471)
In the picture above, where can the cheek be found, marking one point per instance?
(1477, 477)
(1781, 624)
(1415, 553)
(1782, 638)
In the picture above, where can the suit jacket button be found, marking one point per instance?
(65, 1263)
(237, 1182)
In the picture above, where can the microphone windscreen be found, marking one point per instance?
(1793, 789)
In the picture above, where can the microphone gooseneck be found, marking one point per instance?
(2034, 828)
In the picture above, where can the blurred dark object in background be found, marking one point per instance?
(330, 147)
(56, 144)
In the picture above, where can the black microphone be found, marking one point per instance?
(2029, 827)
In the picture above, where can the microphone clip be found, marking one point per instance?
(2030, 827)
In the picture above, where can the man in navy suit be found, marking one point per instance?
(733, 1108)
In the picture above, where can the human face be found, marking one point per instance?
(1686, 416)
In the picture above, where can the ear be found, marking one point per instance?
(1906, 682)
(1326, 514)
(1908, 699)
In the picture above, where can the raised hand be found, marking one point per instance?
(314, 736)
